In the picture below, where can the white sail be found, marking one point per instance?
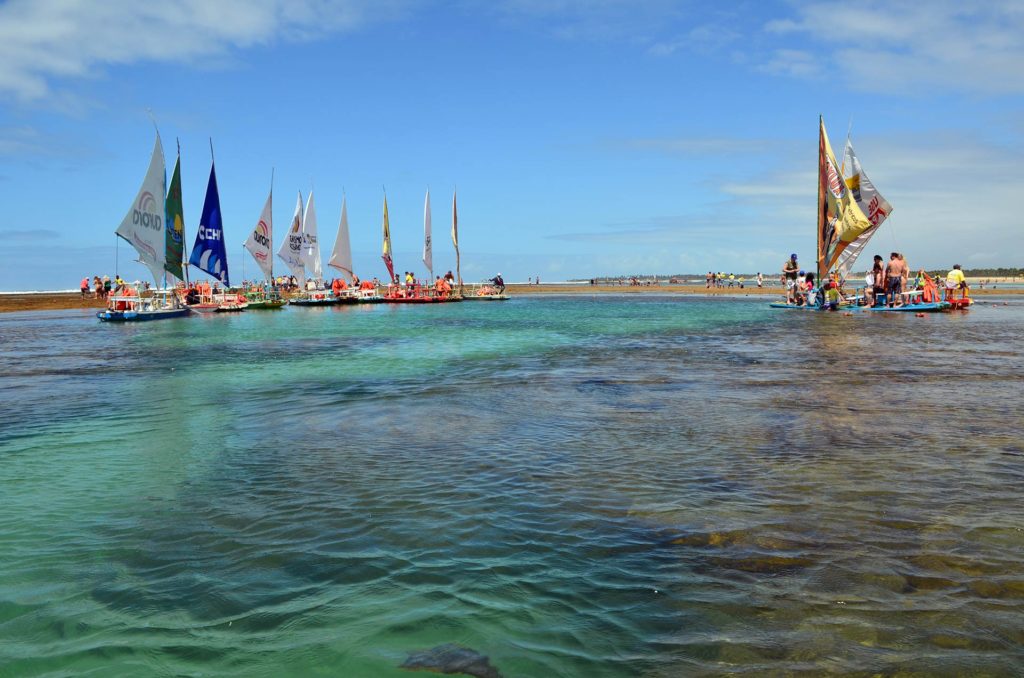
(261, 238)
(310, 243)
(143, 226)
(341, 257)
(428, 257)
(291, 248)
(871, 203)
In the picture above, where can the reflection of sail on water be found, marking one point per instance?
(143, 226)
(341, 257)
(840, 219)
(870, 202)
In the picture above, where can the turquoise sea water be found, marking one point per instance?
(572, 486)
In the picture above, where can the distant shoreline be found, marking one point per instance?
(58, 301)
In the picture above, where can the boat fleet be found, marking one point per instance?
(154, 226)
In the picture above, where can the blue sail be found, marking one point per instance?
(208, 254)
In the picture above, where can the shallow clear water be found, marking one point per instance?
(574, 486)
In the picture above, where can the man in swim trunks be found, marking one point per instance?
(894, 273)
(790, 269)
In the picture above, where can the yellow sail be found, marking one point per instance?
(840, 220)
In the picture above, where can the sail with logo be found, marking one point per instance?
(143, 226)
(840, 219)
(174, 224)
(262, 236)
(386, 249)
(870, 202)
(208, 253)
(291, 249)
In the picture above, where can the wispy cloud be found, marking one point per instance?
(896, 46)
(42, 41)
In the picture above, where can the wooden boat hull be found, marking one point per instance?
(267, 305)
(142, 316)
(329, 301)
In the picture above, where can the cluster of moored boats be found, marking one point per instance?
(154, 226)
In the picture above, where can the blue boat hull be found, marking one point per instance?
(141, 316)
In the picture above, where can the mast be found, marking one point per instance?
(822, 203)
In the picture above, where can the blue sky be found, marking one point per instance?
(585, 138)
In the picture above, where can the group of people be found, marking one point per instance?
(886, 284)
(713, 279)
(102, 288)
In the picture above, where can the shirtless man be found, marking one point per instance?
(894, 274)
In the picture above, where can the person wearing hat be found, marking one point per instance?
(499, 282)
(790, 269)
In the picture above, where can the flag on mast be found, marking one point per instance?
(386, 253)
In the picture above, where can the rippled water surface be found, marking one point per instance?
(571, 486)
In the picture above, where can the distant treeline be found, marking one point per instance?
(941, 273)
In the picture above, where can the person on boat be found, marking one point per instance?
(955, 280)
(449, 278)
(790, 269)
(833, 297)
(894, 280)
(499, 282)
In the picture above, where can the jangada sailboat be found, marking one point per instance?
(152, 234)
(850, 210)
(309, 259)
(209, 254)
(258, 244)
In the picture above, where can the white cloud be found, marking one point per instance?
(46, 40)
(896, 46)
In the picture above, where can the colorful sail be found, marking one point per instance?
(386, 254)
(428, 256)
(262, 237)
(143, 226)
(341, 257)
(208, 253)
(840, 220)
(174, 225)
(291, 248)
(870, 202)
(455, 236)
(310, 242)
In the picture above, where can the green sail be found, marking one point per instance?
(174, 225)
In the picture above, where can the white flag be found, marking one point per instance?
(262, 237)
(143, 226)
